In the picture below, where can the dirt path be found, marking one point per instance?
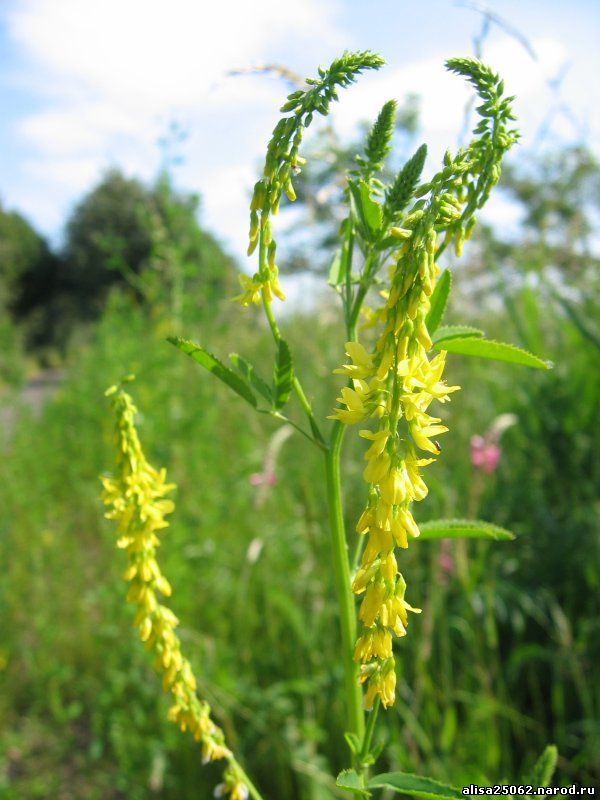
(39, 388)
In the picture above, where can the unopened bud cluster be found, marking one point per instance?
(283, 162)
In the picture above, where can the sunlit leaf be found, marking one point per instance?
(544, 768)
(250, 375)
(454, 332)
(415, 786)
(463, 529)
(497, 351)
(212, 364)
(368, 212)
(335, 270)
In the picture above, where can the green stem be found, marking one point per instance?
(347, 253)
(254, 793)
(341, 567)
(369, 270)
(283, 418)
(297, 386)
(366, 745)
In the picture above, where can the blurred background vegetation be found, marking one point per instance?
(506, 654)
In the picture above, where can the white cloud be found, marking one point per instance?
(111, 76)
(150, 53)
(444, 96)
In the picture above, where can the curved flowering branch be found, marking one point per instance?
(137, 501)
(282, 162)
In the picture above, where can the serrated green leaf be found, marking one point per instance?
(415, 786)
(212, 364)
(497, 351)
(463, 529)
(283, 375)
(349, 779)
(543, 769)
(455, 332)
(250, 375)
(439, 298)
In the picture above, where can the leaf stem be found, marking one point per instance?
(254, 793)
(341, 566)
(369, 270)
(370, 727)
(297, 386)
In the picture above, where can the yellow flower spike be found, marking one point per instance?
(135, 500)
(394, 383)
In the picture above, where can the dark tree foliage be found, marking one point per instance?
(108, 231)
(145, 238)
(123, 228)
(23, 252)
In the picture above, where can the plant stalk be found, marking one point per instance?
(253, 791)
(341, 567)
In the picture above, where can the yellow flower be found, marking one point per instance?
(136, 501)
(363, 362)
(232, 787)
(251, 293)
(254, 287)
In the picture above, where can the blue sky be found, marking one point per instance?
(87, 85)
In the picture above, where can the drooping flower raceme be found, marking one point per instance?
(137, 501)
(282, 162)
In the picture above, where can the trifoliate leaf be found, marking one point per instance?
(212, 364)
(250, 375)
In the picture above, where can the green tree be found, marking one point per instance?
(23, 252)
(123, 228)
